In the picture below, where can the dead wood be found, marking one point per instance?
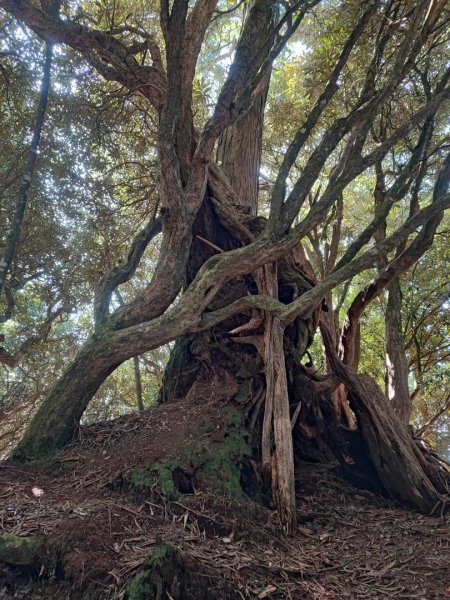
(403, 470)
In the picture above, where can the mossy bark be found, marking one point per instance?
(59, 415)
(20, 550)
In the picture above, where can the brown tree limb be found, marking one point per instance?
(109, 55)
(276, 445)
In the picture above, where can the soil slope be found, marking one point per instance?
(98, 532)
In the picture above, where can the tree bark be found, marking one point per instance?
(397, 389)
(405, 474)
(138, 381)
(239, 153)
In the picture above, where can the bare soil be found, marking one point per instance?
(98, 533)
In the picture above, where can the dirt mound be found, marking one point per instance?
(99, 527)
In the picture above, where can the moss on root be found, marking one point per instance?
(139, 587)
(219, 462)
(20, 550)
(215, 461)
(159, 475)
(161, 575)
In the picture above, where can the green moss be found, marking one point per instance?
(139, 588)
(219, 463)
(40, 450)
(19, 550)
(222, 466)
(234, 419)
(205, 427)
(157, 475)
(160, 553)
(157, 575)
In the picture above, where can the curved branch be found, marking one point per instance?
(111, 57)
(124, 272)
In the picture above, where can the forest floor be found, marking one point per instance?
(349, 543)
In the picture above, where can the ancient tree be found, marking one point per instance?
(237, 290)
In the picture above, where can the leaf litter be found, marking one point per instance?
(349, 543)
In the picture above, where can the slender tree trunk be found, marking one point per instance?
(136, 364)
(397, 390)
(13, 238)
(138, 381)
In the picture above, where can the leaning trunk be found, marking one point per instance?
(58, 417)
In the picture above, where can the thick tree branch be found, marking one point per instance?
(109, 55)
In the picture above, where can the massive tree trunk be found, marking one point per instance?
(239, 153)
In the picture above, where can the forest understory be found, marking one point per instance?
(111, 516)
